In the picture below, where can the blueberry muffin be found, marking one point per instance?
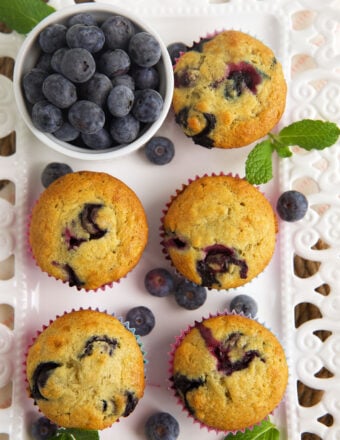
(85, 370)
(219, 231)
(88, 229)
(229, 90)
(229, 372)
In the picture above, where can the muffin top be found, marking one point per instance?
(219, 231)
(229, 90)
(88, 228)
(85, 370)
(229, 371)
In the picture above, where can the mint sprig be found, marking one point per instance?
(307, 134)
(75, 434)
(265, 431)
(23, 15)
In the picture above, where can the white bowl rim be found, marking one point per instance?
(64, 147)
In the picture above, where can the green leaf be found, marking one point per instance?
(310, 134)
(265, 431)
(259, 168)
(23, 15)
(75, 434)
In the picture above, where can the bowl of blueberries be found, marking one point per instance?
(93, 82)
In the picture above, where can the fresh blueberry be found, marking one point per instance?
(124, 130)
(175, 50)
(97, 141)
(117, 30)
(141, 319)
(44, 62)
(57, 58)
(159, 282)
(123, 80)
(32, 84)
(53, 37)
(144, 49)
(244, 304)
(190, 295)
(43, 429)
(96, 89)
(161, 426)
(59, 90)
(88, 37)
(78, 65)
(114, 62)
(145, 77)
(66, 132)
(81, 18)
(86, 116)
(147, 106)
(292, 206)
(46, 117)
(120, 101)
(53, 171)
(160, 150)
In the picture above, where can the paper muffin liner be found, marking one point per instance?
(65, 281)
(178, 340)
(173, 196)
(38, 332)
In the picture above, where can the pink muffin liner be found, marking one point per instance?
(173, 197)
(178, 339)
(45, 326)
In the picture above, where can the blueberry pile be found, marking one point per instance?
(95, 84)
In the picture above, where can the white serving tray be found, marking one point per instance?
(36, 298)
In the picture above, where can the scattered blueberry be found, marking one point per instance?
(43, 429)
(53, 37)
(144, 49)
(114, 62)
(53, 171)
(124, 130)
(141, 319)
(189, 295)
(118, 31)
(59, 90)
(175, 50)
(159, 282)
(97, 141)
(147, 106)
(78, 65)
(161, 426)
(86, 116)
(120, 101)
(160, 150)
(292, 206)
(244, 304)
(32, 84)
(46, 116)
(88, 37)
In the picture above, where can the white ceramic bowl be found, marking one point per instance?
(27, 58)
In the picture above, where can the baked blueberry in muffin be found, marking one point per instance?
(229, 90)
(85, 370)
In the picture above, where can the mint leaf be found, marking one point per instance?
(265, 431)
(310, 134)
(259, 168)
(75, 434)
(23, 15)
